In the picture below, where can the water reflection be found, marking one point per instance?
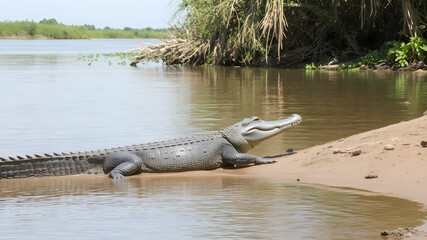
(52, 102)
(70, 106)
(194, 208)
(333, 104)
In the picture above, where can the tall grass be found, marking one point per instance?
(30, 29)
(284, 32)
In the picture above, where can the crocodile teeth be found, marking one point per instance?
(3, 159)
(19, 157)
(56, 154)
(28, 156)
(37, 155)
(47, 155)
(11, 158)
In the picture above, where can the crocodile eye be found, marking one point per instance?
(256, 120)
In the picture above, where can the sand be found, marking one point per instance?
(389, 160)
(401, 171)
(360, 161)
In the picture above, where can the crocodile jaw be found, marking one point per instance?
(257, 130)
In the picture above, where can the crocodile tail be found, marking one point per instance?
(47, 165)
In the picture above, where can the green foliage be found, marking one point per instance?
(403, 53)
(48, 21)
(90, 27)
(352, 66)
(50, 28)
(310, 66)
(243, 32)
(373, 57)
(418, 48)
(32, 29)
(119, 58)
(225, 32)
(209, 60)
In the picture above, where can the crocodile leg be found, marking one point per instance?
(121, 164)
(231, 156)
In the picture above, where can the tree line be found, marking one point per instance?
(51, 28)
(290, 33)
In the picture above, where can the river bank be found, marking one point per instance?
(360, 161)
(389, 160)
(51, 29)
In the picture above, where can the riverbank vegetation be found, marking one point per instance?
(118, 58)
(51, 29)
(293, 33)
(392, 55)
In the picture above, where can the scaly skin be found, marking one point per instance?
(199, 152)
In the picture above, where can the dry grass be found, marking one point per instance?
(241, 32)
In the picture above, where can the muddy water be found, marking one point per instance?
(53, 101)
(194, 208)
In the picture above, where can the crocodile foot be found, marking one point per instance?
(265, 161)
(116, 175)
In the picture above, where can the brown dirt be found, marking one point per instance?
(25, 37)
(404, 232)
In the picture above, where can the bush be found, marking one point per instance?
(373, 57)
(403, 53)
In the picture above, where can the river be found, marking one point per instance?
(54, 98)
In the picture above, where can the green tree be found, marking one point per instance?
(32, 29)
(48, 21)
(90, 27)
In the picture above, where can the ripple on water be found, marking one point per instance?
(194, 208)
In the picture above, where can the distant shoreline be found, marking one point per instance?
(45, 38)
(51, 29)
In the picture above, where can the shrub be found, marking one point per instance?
(403, 53)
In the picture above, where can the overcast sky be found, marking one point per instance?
(101, 13)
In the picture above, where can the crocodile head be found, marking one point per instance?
(250, 132)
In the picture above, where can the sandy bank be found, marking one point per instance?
(400, 172)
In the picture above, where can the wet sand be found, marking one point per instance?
(400, 172)
(359, 161)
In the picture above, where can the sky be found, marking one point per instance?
(101, 13)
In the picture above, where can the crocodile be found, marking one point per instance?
(197, 152)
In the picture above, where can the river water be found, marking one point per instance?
(54, 98)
